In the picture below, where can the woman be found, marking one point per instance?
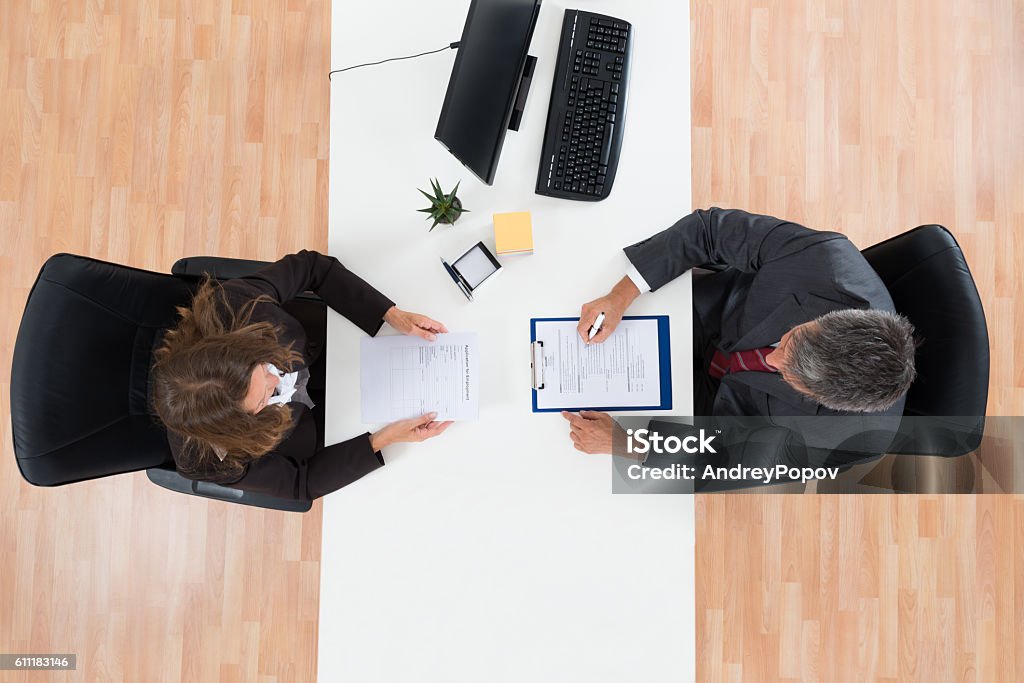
(230, 382)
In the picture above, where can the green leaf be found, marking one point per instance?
(428, 210)
(430, 197)
(456, 190)
(437, 190)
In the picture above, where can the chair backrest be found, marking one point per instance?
(80, 373)
(926, 273)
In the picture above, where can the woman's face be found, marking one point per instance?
(261, 388)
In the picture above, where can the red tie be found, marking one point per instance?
(751, 360)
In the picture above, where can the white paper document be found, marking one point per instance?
(623, 371)
(403, 377)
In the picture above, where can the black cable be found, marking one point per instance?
(450, 46)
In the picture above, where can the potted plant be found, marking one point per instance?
(444, 208)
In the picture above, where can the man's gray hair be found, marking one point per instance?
(854, 360)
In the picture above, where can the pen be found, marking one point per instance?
(596, 327)
(458, 280)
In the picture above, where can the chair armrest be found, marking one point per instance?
(218, 267)
(171, 480)
(222, 268)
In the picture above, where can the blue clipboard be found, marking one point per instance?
(664, 361)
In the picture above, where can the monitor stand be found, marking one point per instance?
(522, 92)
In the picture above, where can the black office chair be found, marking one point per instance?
(80, 374)
(927, 276)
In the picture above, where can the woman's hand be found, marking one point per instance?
(408, 431)
(413, 323)
(613, 305)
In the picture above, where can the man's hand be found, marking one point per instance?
(408, 431)
(613, 305)
(413, 324)
(592, 432)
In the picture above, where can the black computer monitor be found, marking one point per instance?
(484, 88)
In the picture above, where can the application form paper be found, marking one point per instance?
(625, 371)
(402, 376)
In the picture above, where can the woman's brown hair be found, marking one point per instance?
(201, 375)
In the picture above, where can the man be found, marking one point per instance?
(794, 322)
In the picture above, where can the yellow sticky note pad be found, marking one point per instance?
(513, 233)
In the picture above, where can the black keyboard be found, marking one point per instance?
(588, 104)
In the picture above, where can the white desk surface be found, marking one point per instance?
(497, 552)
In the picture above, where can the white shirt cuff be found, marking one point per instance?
(633, 274)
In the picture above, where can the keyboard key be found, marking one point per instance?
(606, 148)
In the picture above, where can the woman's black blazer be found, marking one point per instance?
(301, 467)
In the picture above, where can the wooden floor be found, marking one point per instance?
(142, 130)
(868, 118)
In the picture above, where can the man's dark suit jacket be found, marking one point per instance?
(777, 275)
(301, 467)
